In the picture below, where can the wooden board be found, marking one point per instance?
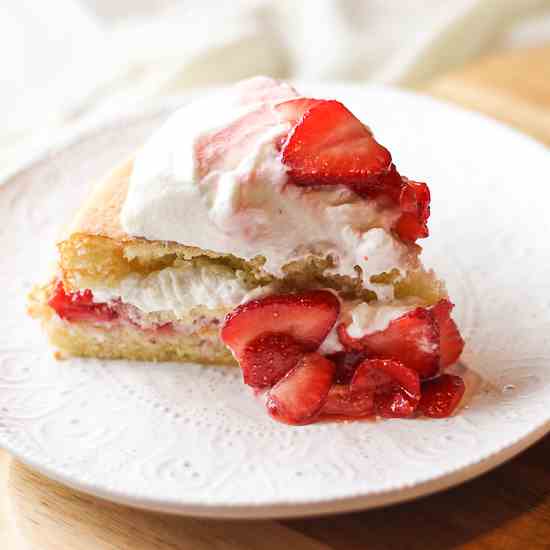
(506, 509)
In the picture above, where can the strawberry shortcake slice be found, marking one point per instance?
(266, 229)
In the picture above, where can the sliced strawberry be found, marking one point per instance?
(451, 342)
(300, 395)
(395, 404)
(415, 199)
(346, 364)
(343, 401)
(412, 339)
(409, 228)
(307, 317)
(382, 374)
(441, 396)
(79, 306)
(268, 358)
(387, 185)
(384, 387)
(414, 203)
(330, 146)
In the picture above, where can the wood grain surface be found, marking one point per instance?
(508, 508)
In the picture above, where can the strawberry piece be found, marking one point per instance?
(409, 228)
(414, 204)
(451, 342)
(346, 364)
(79, 306)
(330, 146)
(300, 395)
(381, 375)
(307, 317)
(343, 401)
(441, 396)
(412, 339)
(386, 185)
(268, 358)
(415, 199)
(393, 388)
(395, 404)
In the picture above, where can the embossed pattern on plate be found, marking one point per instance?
(190, 439)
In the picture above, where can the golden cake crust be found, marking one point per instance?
(100, 214)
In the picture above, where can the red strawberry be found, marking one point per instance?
(346, 364)
(441, 396)
(300, 395)
(393, 388)
(268, 358)
(451, 343)
(79, 306)
(379, 375)
(330, 146)
(343, 401)
(307, 317)
(414, 204)
(395, 404)
(409, 228)
(387, 185)
(412, 339)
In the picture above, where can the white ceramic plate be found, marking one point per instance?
(192, 440)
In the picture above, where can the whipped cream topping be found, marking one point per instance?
(213, 177)
(178, 290)
(367, 318)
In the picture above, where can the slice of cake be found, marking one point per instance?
(271, 230)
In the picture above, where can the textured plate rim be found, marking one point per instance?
(282, 510)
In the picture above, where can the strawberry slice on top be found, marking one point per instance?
(330, 146)
(414, 203)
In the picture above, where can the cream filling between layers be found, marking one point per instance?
(178, 290)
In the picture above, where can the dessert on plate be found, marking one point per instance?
(266, 229)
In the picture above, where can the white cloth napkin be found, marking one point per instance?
(68, 62)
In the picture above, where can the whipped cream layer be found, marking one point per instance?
(367, 318)
(213, 177)
(178, 290)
